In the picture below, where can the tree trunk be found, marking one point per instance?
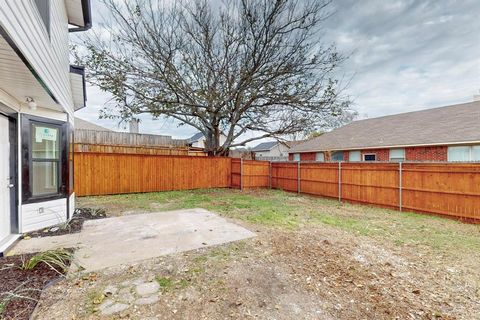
(212, 142)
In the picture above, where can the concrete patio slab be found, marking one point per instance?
(123, 240)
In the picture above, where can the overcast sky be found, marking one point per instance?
(405, 55)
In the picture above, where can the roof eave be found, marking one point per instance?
(87, 18)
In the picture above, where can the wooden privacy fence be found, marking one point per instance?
(450, 189)
(110, 173)
(250, 174)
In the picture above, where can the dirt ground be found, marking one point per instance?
(320, 270)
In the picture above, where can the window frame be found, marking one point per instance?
(470, 153)
(338, 152)
(396, 159)
(357, 152)
(28, 160)
(369, 154)
(317, 156)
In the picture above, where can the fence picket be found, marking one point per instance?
(449, 189)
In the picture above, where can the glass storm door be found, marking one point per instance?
(4, 178)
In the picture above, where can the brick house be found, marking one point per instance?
(450, 133)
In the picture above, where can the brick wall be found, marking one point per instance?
(308, 156)
(435, 153)
(382, 154)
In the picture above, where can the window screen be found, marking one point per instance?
(476, 153)
(320, 157)
(397, 154)
(459, 153)
(337, 156)
(296, 157)
(354, 156)
(370, 157)
(45, 159)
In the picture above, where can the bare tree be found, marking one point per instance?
(222, 67)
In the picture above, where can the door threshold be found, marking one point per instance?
(7, 243)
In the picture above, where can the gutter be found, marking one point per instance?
(87, 17)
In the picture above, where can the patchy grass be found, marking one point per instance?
(278, 209)
(165, 283)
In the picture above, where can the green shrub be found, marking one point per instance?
(58, 260)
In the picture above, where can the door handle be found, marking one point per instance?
(11, 185)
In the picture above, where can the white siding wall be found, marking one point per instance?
(54, 212)
(49, 56)
(280, 150)
(71, 202)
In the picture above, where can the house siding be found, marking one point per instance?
(43, 214)
(48, 54)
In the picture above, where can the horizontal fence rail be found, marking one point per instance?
(132, 149)
(448, 189)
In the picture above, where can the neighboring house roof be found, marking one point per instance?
(81, 124)
(196, 137)
(264, 146)
(292, 144)
(199, 136)
(438, 126)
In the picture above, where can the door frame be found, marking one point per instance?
(12, 117)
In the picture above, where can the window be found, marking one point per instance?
(475, 153)
(354, 156)
(320, 157)
(43, 7)
(464, 153)
(370, 157)
(45, 166)
(337, 156)
(45, 159)
(397, 155)
(296, 157)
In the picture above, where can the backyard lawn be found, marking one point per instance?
(312, 259)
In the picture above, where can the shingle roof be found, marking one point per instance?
(264, 146)
(445, 125)
(197, 136)
(81, 124)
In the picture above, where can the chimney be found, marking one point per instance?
(476, 97)
(133, 126)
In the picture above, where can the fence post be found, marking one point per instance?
(241, 174)
(298, 176)
(400, 185)
(339, 181)
(270, 174)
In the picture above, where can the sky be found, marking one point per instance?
(403, 56)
